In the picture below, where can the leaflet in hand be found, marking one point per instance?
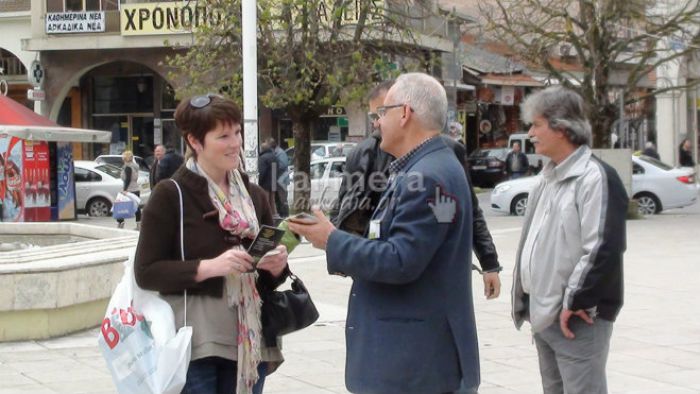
(267, 239)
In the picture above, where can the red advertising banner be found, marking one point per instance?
(36, 182)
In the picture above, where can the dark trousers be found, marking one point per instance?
(216, 375)
(281, 201)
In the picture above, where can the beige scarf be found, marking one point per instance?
(237, 215)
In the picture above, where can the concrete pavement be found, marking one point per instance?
(655, 346)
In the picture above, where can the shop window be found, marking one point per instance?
(113, 95)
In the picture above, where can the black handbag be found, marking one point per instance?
(286, 311)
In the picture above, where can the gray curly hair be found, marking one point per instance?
(564, 110)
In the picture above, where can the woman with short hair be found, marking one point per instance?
(223, 212)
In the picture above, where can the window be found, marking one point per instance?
(637, 169)
(83, 175)
(81, 5)
(337, 169)
(318, 150)
(317, 170)
(110, 169)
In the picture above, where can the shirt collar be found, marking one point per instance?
(569, 167)
(399, 164)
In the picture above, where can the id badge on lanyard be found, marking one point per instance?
(375, 225)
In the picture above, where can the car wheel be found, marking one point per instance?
(519, 205)
(647, 204)
(98, 207)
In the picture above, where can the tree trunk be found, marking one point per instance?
(301, 127)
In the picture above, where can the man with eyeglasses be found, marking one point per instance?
(365, 174)
(410, 327)
(364, 180)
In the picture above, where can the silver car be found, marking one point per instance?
(96, 186)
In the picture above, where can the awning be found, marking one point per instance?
(47, 133)
(510, 80)
(19, 121)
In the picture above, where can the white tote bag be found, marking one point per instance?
(138, 339)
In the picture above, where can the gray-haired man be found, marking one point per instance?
(568, 271)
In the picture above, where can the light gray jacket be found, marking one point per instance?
(577, 260)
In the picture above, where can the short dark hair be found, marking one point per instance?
(380, 89)
(272, 143)
(199, 121)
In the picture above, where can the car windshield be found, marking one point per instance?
(656, 163)
(110, 169)
(499, 153)
(341, 150)
(113, 160)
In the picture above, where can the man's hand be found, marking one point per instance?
(444, 207)
(316, 232)
(492, 285)
(564, 317)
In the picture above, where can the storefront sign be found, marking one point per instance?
(75, 22)
(166, 18)
(335, 110)
(326, 16)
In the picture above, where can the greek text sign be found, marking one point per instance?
(166, 18)
(75, 22)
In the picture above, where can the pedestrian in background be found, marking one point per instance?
(685, 154)
(267, 173)
(568, 274)
(158, 154)
(168, 164)
(282, 178)
(410, 325)
(650, 150)
(517, 164)
(222, 212)
(130, 177)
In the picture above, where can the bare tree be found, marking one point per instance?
(311, 54)
(616, 45)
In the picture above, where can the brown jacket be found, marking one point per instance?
(158, 265)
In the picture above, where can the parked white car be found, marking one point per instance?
(117, 161)
(655, 185)
(324, 150)
(326, 176)
(96, 186)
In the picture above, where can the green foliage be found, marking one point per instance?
(311, 54)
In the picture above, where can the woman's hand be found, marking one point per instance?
(274, 261)
(231, 261)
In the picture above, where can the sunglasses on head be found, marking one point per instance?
(203, 100)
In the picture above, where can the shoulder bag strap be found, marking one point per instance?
(182, 236)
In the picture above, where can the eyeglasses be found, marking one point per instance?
(381, 111)
(202, 101)
(373, 116)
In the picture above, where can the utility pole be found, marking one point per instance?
(250, 86)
